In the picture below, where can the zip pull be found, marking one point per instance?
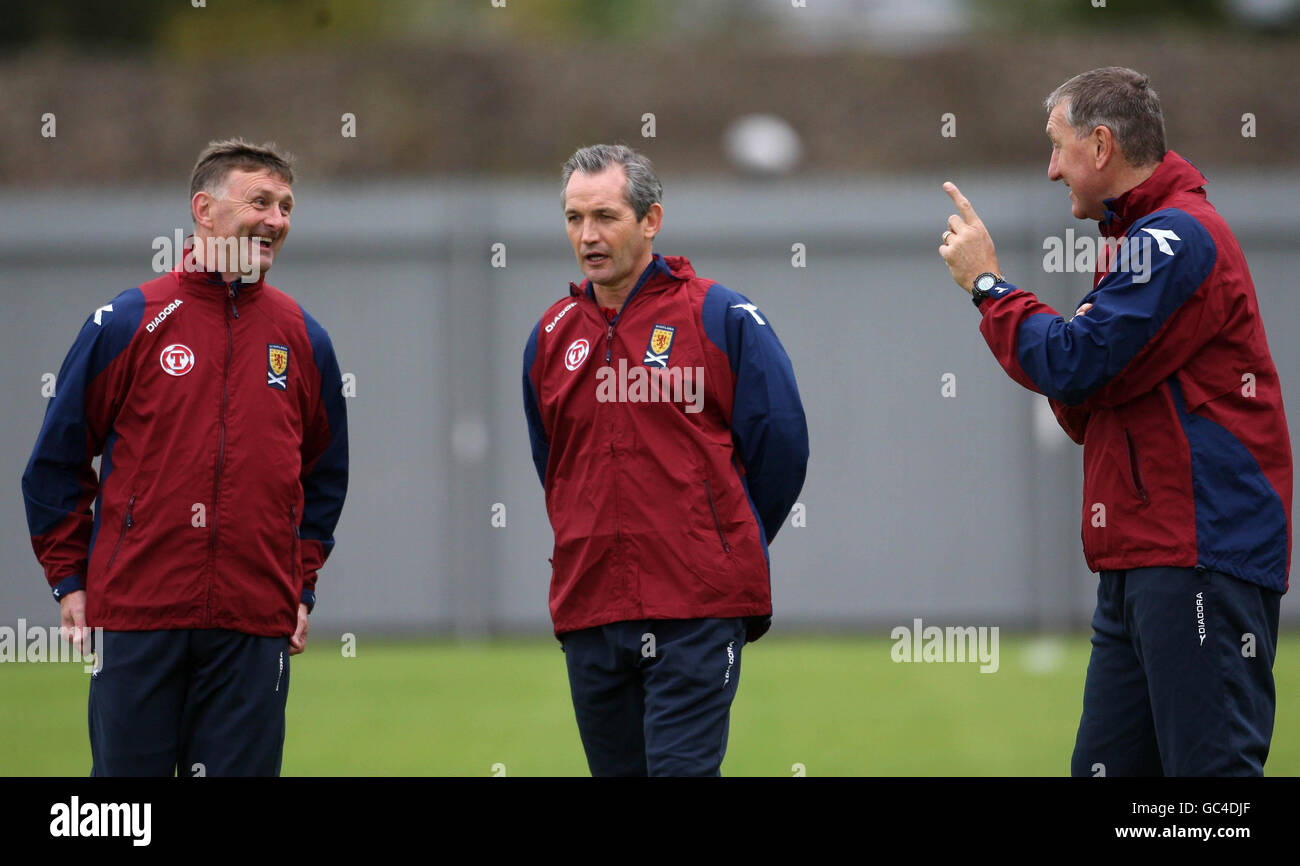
(609, 343)
(130, 506)
(722, 536)
(230, 291)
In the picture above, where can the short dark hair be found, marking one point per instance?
(1121, 100)
(219, 158)
(643, 186)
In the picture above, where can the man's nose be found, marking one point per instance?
(276, 220)
(589, 233)
(1053, 171)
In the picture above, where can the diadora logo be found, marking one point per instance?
(1200, 616)
(166, 311)
(752, 310)
(177, 359)
(577, 352)
(1163, 237)
(560, 315)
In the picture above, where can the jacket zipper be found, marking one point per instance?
(1135, 468)
(613, 451)
(127, 523)
(221, 437)
(618, 526)
(708, 491)
(609, 326)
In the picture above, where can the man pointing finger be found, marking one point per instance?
(967, 247)
(1187, 474)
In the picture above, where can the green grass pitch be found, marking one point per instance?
(835, 705)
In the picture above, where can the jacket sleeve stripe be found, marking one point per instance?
(1126, 327)
(325, 457)
(767, 417)
(59, 483)
(537, 438)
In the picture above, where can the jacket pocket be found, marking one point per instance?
(717, 522)
(295, 548)
(128, 520)
(1135, 467)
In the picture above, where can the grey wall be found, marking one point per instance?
(954, 510)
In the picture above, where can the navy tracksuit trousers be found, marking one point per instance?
(653, 697)
(200, 702)
(1180, 682)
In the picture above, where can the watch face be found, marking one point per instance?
(985, 282)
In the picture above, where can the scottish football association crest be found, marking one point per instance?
(277, 366)
(661, 343)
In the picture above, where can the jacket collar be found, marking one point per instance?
(662, 272)
(1172, 176)
(190, 274)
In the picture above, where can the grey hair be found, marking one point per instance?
(643, 186)
(1121, 100)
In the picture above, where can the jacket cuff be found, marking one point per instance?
(999, 290)
(308, 598)
(72, 583)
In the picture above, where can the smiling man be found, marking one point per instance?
(215, 403)
(1164, 376)
(662, 505)
(241, 219)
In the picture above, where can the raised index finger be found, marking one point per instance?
(963, 205)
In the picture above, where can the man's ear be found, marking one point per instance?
(1105, 148)
(201, 208)
(653, 220)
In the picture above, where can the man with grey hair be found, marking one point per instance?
(1164, 376)
(668, 434)
(215, 403)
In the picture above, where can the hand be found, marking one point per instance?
(298, 642)
(967, 248)
(1079, 312)
(72, 619)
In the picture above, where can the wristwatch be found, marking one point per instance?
(984, 288)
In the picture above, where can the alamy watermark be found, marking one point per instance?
(229, 255)
(950, 644)
(644, 384)
(38, 643)
(132, 821)
(1130, 255)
